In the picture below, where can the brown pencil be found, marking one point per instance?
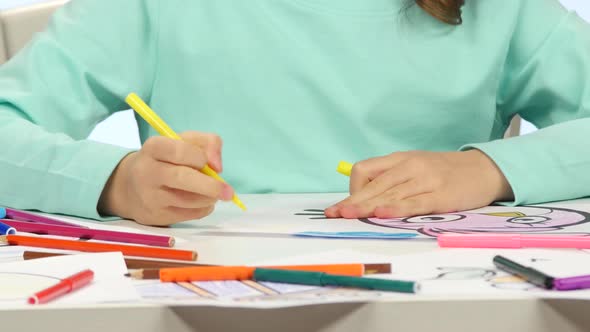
(132, 263)
(144, 274)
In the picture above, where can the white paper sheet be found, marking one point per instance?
(19, 280)
(471, 272)
(572, 264)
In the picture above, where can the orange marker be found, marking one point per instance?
(212, 273)
(127, 250)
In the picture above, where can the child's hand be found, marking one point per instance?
(161, 183)
(417, 183)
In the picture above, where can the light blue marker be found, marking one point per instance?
(358, 235)
(2, 213)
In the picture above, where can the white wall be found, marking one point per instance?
(7, 4)
(121, 128)
(582, 7)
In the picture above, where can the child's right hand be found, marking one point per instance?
(161, 184)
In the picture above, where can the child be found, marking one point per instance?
(418, 93)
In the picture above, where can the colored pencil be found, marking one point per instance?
(63, 287)
(30, 217)
(210, 273)
(87, 246)
(132, 263)
(144, 274)
(88, 233)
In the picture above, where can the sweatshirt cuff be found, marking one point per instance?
(85, 196)
(510, 163)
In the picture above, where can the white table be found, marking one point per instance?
(409, 314)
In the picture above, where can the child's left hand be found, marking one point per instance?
(418, 183)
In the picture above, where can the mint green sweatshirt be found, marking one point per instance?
(294, 86)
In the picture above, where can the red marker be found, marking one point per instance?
(65, 286)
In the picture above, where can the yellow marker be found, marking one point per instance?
(155, 121)
(344, 168)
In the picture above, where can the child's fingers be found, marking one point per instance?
(428, 203)
(211, 144)
(188, 179)
(390, 179)
(363, 172)
(175, 152)
(402, 191)
(183, 199)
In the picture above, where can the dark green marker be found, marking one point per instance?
(529, 274)
(324, 279)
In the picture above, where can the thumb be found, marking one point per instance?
(211, 144)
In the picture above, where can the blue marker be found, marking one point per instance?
(5, 229)
(358, 235)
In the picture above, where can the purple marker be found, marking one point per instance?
(26, 216)
(571, 283)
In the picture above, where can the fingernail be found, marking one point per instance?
(227, 193)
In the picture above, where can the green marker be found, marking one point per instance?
(324, 279)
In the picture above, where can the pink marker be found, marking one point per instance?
(31, 217)
(87, 233)
(489, 240)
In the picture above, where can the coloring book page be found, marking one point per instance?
(299, 214)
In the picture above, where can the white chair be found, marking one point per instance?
(18, 25)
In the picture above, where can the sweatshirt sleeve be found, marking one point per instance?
(546, 81)
(54, 92)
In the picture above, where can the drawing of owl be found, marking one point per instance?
(523, 219)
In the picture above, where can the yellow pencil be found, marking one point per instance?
(155, 121)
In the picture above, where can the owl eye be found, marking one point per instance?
(528, 220)
(435, 218)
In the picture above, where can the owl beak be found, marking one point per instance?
(506, 214)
